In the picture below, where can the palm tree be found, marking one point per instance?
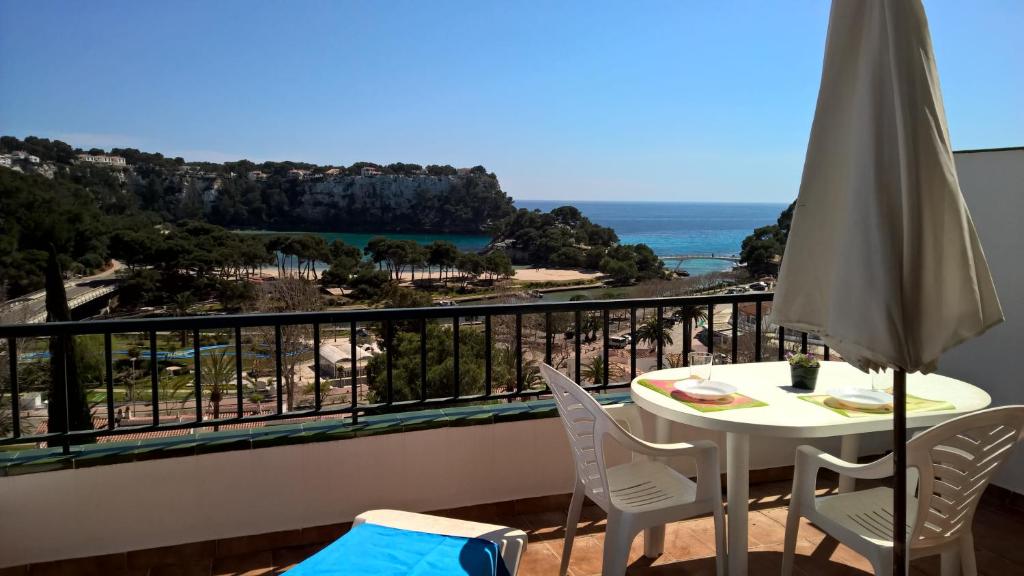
(593, 370)
(691, 315)
(183, 302)
(217, 372)
(650, 331)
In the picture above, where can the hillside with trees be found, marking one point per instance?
(761, 252)
(174, 225)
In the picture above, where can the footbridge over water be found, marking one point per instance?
(709, 256)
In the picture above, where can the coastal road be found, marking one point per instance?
(31, 308)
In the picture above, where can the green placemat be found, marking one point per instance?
(667, 388)
(914, 404)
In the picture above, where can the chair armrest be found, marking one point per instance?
(656, 450)
(809, 459)
(627, 416)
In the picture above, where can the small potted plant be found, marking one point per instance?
(803, 370)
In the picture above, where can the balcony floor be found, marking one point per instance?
(999, 531)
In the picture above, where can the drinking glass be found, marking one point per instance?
(700, 365)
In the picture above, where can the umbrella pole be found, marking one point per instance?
(899, 440)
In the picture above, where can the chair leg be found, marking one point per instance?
(618, 538)
(792, 530)
(882, 563)
(949, 562)
(968, 565)
(720, 549)
(571, 520)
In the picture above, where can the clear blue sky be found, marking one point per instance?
(583, 100)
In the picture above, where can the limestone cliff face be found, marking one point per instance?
(463, 203)
(460, 203)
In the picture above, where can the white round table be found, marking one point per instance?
(786, 416)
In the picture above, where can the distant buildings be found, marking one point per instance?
(256, 176)
(19, 155)
(296, 174)
(102, 159)
(370, 171)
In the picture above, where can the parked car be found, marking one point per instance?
(619, 341)
(758, 286)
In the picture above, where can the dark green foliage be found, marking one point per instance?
(36, 212)
(538, 238)
(368, 283)
(632, 262)
(440, 368)
(762, 250)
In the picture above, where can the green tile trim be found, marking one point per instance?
(37, 460)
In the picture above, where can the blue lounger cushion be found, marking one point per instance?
(374, 550)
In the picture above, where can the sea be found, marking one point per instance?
(677, 228)
(669, 228)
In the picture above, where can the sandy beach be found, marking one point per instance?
(522, 274)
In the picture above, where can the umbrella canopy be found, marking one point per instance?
(882, 260)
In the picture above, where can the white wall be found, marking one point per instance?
(993, 186)
(132, 506)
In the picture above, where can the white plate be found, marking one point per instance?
(705, 389)
(861, 397)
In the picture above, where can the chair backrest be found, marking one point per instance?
(585, 423)
(955, 461)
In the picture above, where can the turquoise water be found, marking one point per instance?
(465, 242)
(675, 228)
(669, 228)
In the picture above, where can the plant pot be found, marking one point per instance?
(804, 377)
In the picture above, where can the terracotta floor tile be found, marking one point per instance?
(586, 556)
(689, 545)
(690, 539)
(538, 560)
(253, 564)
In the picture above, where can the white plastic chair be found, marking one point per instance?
(641, 494)
(949, 467)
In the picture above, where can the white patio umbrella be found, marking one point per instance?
(882, 260)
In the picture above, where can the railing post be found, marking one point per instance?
(423, 360)
(604, 334)
(632, 343)
(197, 379)
(661, 334)
(735, 331)
(317, 402)
(108, 367)
(389, 344)
(456, 374)
(519, 353)
(154, 377)
(547, 338)
(488, 351)
(687, 340)
(757, 331)
(12, 350)
(355, 369)
(238, 372)
(710, 331)
(577, 345)
(279, 368)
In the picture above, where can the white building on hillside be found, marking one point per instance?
(102, 159)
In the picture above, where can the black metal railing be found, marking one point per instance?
(746, 339)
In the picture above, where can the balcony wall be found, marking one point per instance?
(138, 505)
(993, 185)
